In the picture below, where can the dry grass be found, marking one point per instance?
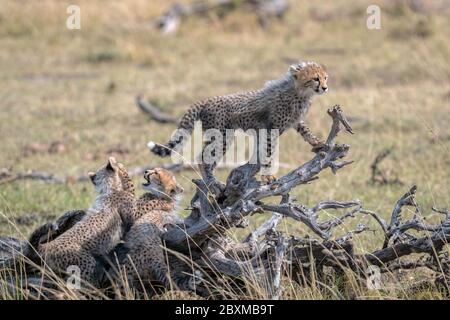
(78, 87)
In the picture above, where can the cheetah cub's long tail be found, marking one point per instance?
(184, 130)
(44, 233)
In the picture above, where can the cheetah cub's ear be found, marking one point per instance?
(112, 164)
(294, 69)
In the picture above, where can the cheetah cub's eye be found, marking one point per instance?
(317, 79)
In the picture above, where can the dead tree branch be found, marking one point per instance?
(154, 113)
(379, 176)
(266, 254)
(267, 249)
(169, 21)
(212, 216)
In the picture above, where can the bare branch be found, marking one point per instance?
(154, 112)
(269, 224)
(378, 175)
(265, 253)
(169, 22)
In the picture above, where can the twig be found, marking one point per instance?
(378, 175)
(154, 112)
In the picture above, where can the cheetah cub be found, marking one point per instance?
(98, 231)
(142, 257)
(162, 196)
(281, 104)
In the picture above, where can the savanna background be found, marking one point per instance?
(67, 97)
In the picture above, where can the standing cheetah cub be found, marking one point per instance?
(280, 105)
(142, 257)
(98, 231)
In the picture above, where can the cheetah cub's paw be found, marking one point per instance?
(267, 178)
(320, 146)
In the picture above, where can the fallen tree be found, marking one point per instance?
(266, 254)
(268, 251)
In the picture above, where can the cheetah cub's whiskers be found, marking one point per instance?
(279, 105)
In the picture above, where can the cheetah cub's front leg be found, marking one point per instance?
(270, 144)
(309, 137)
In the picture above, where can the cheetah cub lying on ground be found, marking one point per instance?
(279, 105)
(97, 232)
(141, 256)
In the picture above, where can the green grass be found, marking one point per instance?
(55, 84)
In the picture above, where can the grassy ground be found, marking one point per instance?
(78, 87)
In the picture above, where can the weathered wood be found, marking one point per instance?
(10, 247)
(378, 175)
(154, 112)
(244, 195)
(265, 255)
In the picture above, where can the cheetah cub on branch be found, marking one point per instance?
(141, 256)
(98, 231)
(280, 104)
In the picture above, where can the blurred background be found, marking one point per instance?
(67, 96)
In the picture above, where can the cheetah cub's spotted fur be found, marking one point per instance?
(162, 196)
(280, 104)
(98, 231)
(145, 258)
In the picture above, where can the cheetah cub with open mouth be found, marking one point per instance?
(142, 257)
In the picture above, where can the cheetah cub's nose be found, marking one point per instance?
(325, 89)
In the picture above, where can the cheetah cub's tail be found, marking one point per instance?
(44, 233)
(183, 132)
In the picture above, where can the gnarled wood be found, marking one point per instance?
(266, 253)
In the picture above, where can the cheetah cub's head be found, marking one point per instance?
(310, 78)
(110, 177)
(162, 183)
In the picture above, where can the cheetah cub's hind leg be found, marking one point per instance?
(210, 157)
